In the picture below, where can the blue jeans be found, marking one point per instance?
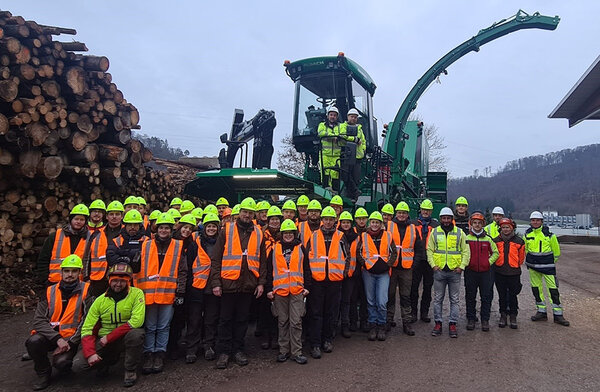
(441, 279)
(376, 290)
(157, 323)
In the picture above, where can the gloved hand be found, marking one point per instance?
(178, 301)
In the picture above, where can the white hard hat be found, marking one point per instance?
(353, 111)
(498, 210)
(536, 215)
(446, 211)
(333, 109)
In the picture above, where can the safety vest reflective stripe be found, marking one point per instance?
(200, 268)
(60, 250)
(334, 259)
(98, 257)
(370, 252)
(352, 268)
(287, 279)
(159, 284)
(69, 320)
(446, 247)
(305, 232)
(541, 253)
(405, 248)
(232, 256)
(533, 265)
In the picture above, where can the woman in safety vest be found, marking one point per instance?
(349, 315)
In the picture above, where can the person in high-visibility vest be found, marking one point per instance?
(387, 213)
(288, 210)
(348, 312)
(237, 275)
(307, 227)
(288, 280)
(57, 322)
(162, 278)
(330, 133)
(329, 257)
(221, 204)
(361, 218)
(376, 253)
(127, 247)
(493, 229)
(352, 179)
(461, 214)
(114, 220)
(176, 203)
(131, 203)
(337, 204)
(541, 254)
(70, 239)
(405, 236)
(448, 254)
(97, 217)
(302, 206)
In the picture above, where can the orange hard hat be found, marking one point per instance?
(226, 212)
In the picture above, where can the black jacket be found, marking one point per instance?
(128, 252)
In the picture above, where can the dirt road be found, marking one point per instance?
(537, 356)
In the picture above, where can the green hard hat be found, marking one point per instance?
(402, 206)
(71, 261)
(80, 209)
(263, 205)
(303, 200)
(314, 205)
(174, 213)
(288, 225)
(387, 209)
(328, 212)
(97, 205)
(345, 215)
(235, 210)
(361, 213)
(165, 219)
(211, 209)
(289, 205)
(222, 202)
(273, 211)
(141, 201)
(461, 200)
(376, 215)
(198, 213)
(426, 204)
(210, 217)
(186, 206)
(248, 204)
(154, 215)
(189, 219)
(131, 200)
(336, 201)
(115, 206)
(176, 202)
(133, 216)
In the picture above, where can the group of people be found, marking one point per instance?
(191, 278)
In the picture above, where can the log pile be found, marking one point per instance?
(65, 138)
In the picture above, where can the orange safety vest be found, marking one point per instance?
(159, 286)
(371, 254)
(146, 223)
(268, 240)
(334, 259)
(353, 247)
(60, 250)
(200, 268)
(305, 232)
(288, 278)
(233, 254)
(406, 247)
(98, 256)
(67, 322)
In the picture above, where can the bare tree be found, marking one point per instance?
(435, 141)
(288, 159)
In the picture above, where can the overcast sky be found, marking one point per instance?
(187, 64)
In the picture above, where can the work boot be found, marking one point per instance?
(159, 362)
(130, 378)
(559, 319)
(425, 318)
(222, 361)
(452, 331)
(407, 328)
(42, 382)
(364, 326)
(327, 347)
(210, 354)
(413, 318)
(513, 321)
(539, 316)
(470, 325)
(300, 359)
(381, 334)
(485, 325)
(283, 357)
(373, 333)
(148, 363)
(346, 331)
(437, 329)
(240, 358)
(315, 352)
(502, 321)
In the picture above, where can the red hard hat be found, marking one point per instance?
(506, 221)
(477, 215)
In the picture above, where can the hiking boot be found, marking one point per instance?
(539, 316)
(42, 382)
(381, 334)
(485, 325)
(346, 332)
(559, 319)
(222, 361)
(300, 359)
(502, 321)
(452, 331)
(210, 354)
(283, 357)
(240, 358)
(373, 334)
(159, 362)
(425, 319)
(327, 347)
(513, 321)
(148, 363)
(129, 379)
(470, 325)
(315, 352)
(437, 329)
(407, 328)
